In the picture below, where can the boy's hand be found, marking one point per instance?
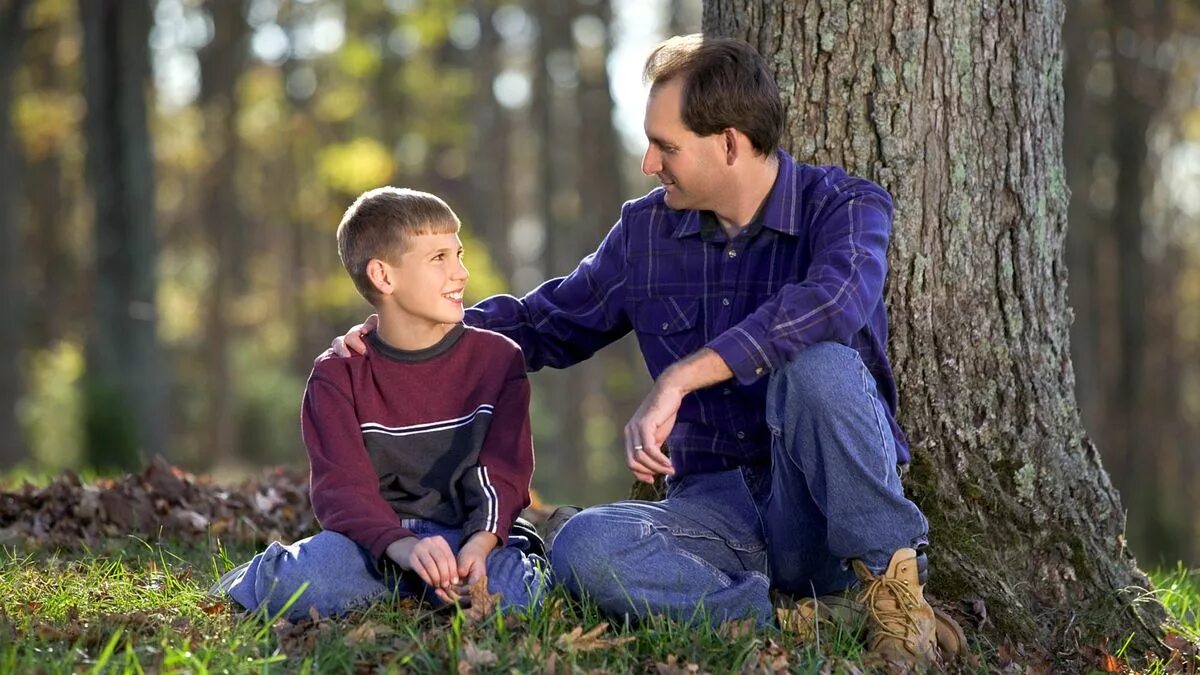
(432, 560)
(472, 557)
(352, 342)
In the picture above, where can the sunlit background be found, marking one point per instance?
(267, 117)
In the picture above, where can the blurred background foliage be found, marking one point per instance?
(229, 136)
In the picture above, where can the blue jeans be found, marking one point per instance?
(717, 544)
(342, 576)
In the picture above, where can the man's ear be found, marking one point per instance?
(730, 138)
(382, 276)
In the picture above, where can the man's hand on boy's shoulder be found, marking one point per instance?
(472, 557)
(351, 343)
(432, 560)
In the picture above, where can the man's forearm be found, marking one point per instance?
(702, 369)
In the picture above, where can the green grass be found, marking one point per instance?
(1179, 591)
(139, 608)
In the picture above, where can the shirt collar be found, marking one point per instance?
(777, 212)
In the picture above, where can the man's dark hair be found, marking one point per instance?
(379, 225)
(726, 84)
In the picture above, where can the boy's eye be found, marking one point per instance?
(440, 256)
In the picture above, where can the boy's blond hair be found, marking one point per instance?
(379, 225)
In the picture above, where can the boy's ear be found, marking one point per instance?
(382, 276)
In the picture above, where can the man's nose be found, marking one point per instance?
(651, 162)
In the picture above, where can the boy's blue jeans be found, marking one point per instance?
(719, 541)
(342, 576)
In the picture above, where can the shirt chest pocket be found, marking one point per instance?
(669, 323)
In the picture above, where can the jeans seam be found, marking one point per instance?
(762, 525)
(880, 423)
(722, 577)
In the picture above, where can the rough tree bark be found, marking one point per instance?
(12, 295)
(125, 385)
(956, 108)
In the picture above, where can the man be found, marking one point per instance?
(755, 287)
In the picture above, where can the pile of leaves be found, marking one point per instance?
(160, 502)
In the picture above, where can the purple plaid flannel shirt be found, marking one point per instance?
(809, 268)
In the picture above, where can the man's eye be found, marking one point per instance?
(439, 256)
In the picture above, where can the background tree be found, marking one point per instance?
(12, 328)
(959, 115)
(222, 62)
(126, 412)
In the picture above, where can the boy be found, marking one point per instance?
(420, 450)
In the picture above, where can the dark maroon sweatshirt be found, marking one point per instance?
(439, 434)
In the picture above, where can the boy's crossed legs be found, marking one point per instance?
(342, 576)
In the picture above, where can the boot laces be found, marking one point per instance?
(895, 621)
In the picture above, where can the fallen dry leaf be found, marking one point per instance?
(470, 656)
(367, 633)
(674, 667)
(482, 602)
(736, 630)
(1110, 664)
(579, 641)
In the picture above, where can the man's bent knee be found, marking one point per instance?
(819, 374)
(585, 547)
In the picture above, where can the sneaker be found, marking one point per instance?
(901, 626)
(227, 580)
(554, 523)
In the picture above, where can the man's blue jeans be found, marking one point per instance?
(719, 541)
(342, 576)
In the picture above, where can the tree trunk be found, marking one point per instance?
(491, 211)
(221, 64)
(957, 111)
(125, 384)
(12, 293)
(556, 123)
(1138, 95)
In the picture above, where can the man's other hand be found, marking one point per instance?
(350, 343)
(647, 431)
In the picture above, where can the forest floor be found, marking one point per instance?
(112, 576)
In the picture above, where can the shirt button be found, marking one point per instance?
(733, 253)
(666, 326)
(725, 301)
(758, 371)
(726, 391)
(741, 435)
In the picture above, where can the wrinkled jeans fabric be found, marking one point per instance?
(719, 542)
(342, 576)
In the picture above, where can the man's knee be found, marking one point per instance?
(819, 375)
(584, 548)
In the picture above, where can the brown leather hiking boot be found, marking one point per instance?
(901, 626)
(807, 618)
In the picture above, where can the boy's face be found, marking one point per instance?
(430, 279)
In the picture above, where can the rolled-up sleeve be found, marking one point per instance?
(849, 240)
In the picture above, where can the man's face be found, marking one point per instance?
(430, 279)
(687, 165)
